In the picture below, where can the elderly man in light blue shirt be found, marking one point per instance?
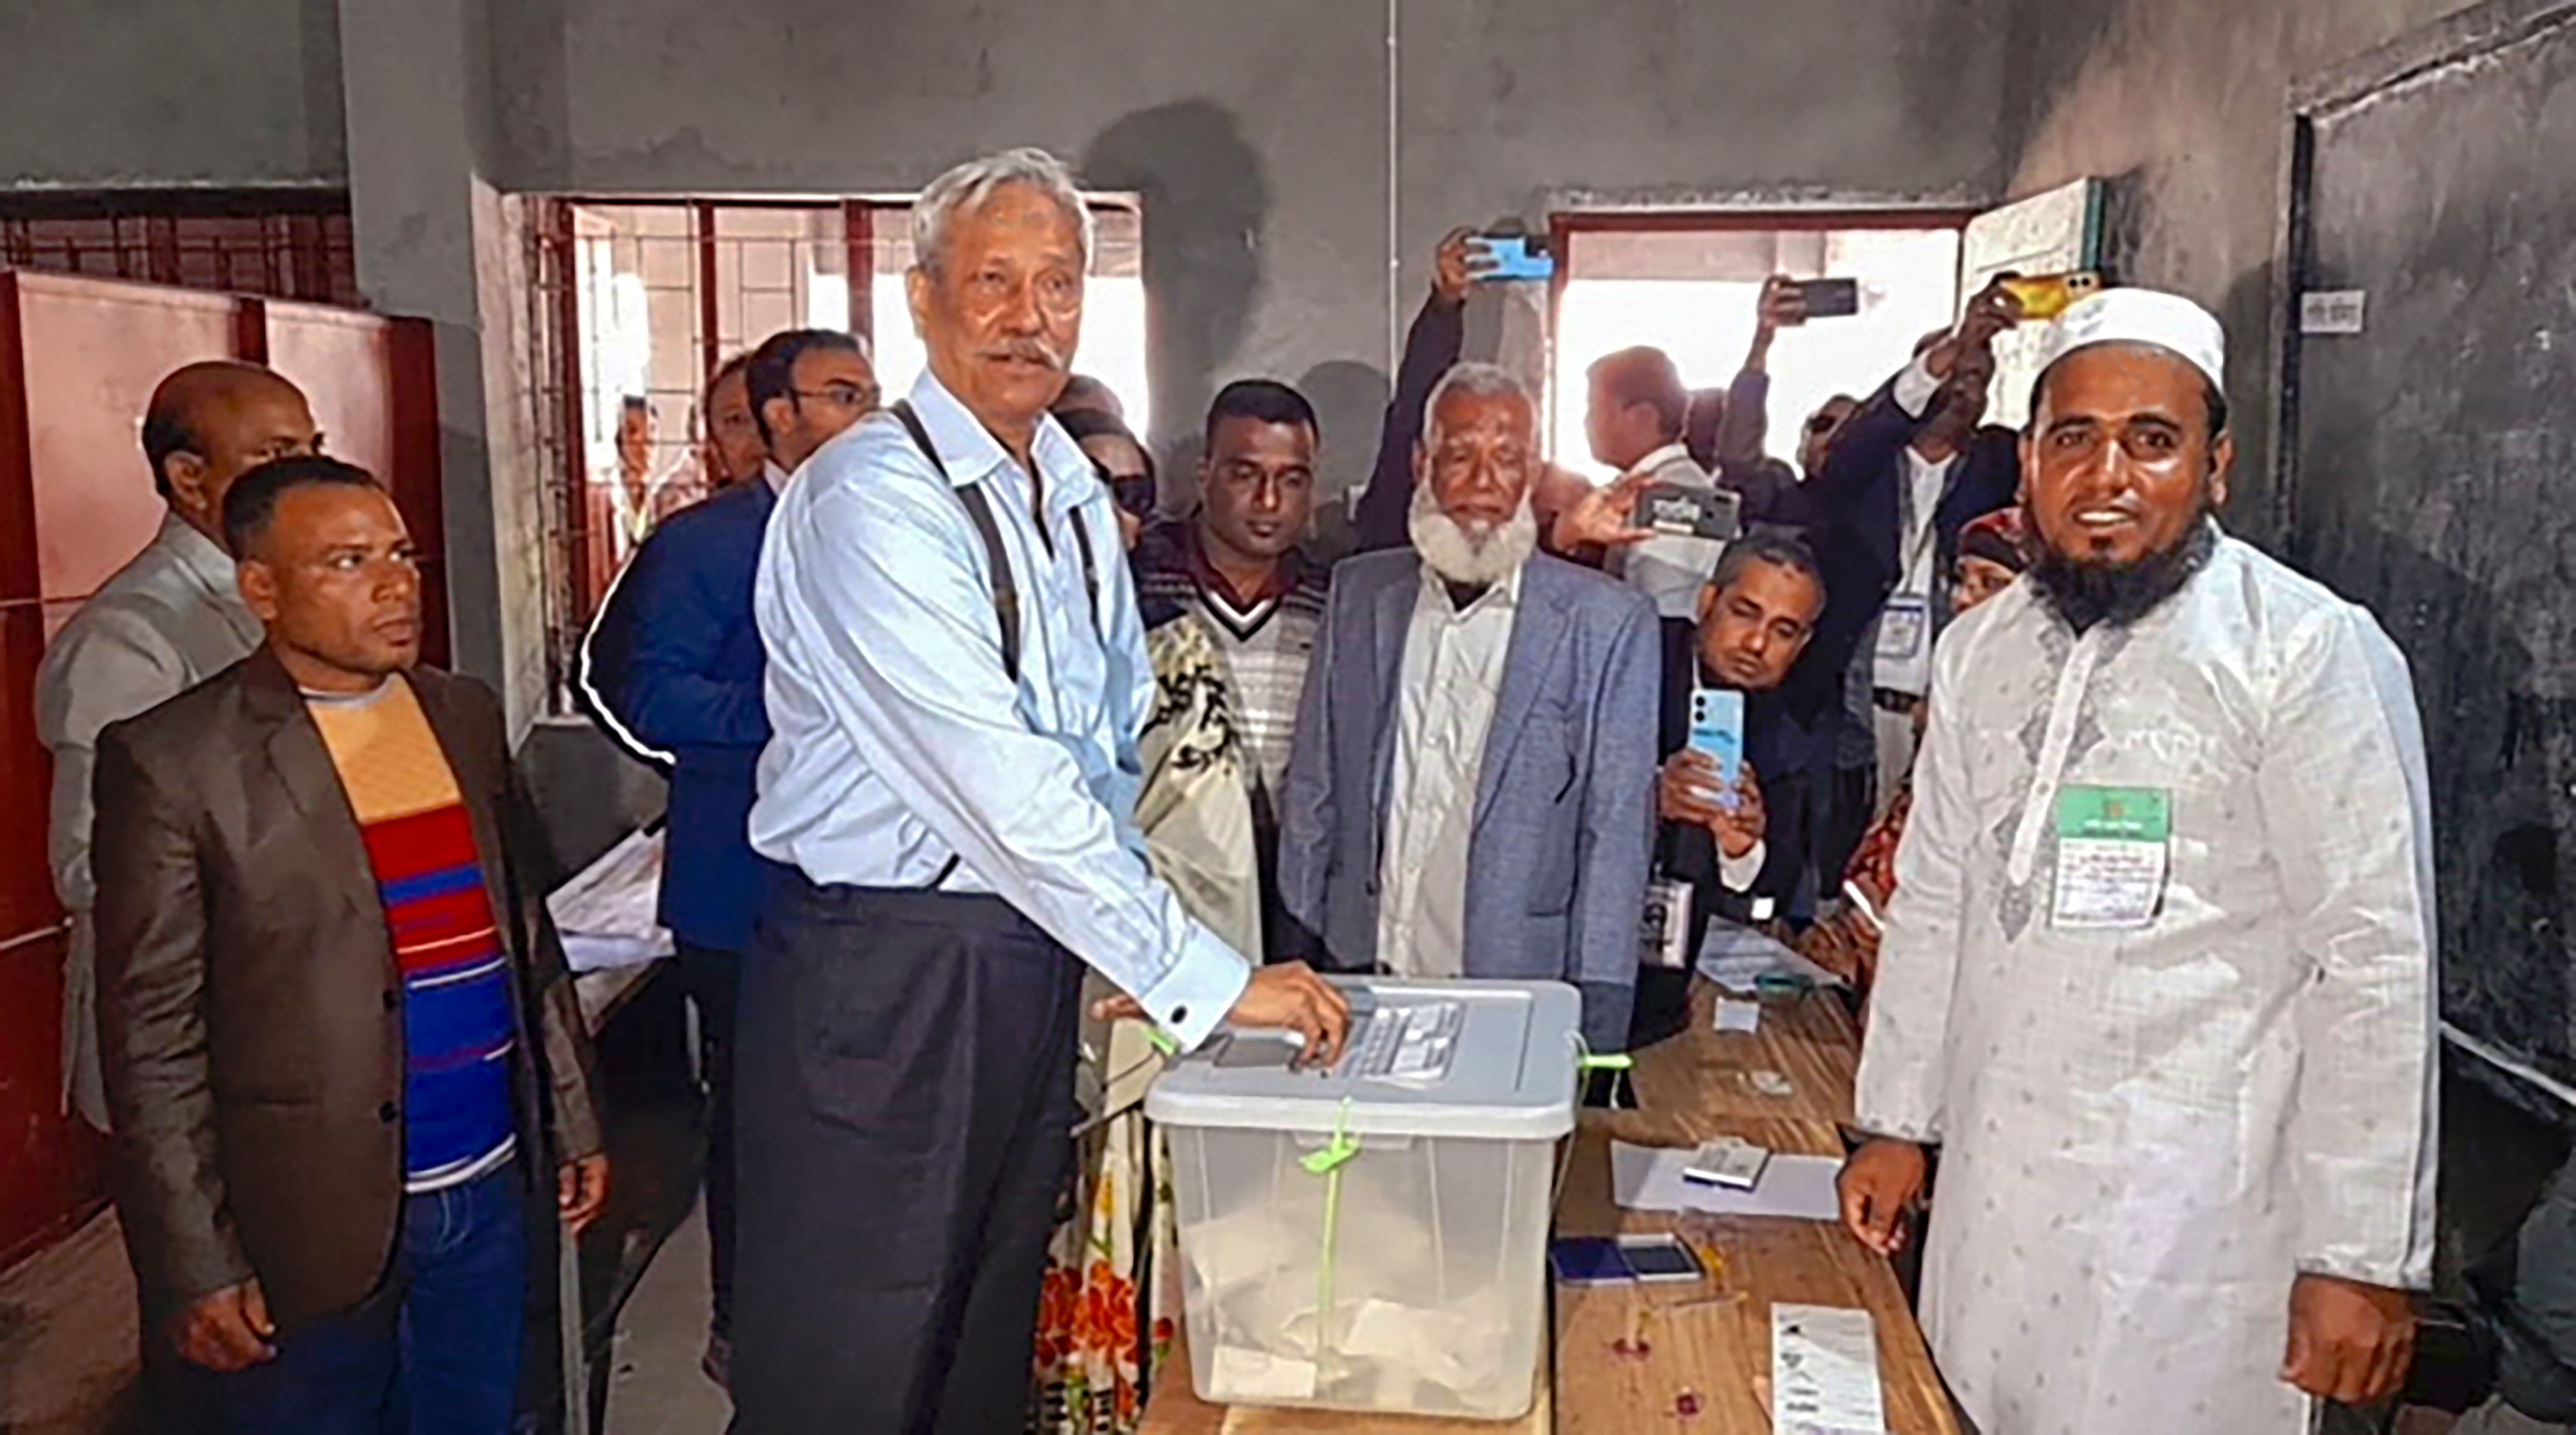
(956, 680)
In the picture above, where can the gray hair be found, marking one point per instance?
(969, 185)
(1477, 380)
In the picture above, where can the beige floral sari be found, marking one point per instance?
(1112, 1293)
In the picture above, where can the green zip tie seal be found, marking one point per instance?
(1162, 1040)
(1615, 1061)
(1328, 1163)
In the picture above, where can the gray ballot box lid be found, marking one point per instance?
(1483, 1060)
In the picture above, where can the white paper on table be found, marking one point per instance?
(1797, 1188)
(608, 915)
(1735, 1015)
(1737, 958)
(1824, 1371)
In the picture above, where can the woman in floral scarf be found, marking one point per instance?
(1112, 1292)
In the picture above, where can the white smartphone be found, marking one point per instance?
(1735, 1165)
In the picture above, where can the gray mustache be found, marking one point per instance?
(1035, 353)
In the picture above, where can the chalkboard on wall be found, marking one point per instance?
(2435, 474)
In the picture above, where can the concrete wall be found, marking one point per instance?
(1262, 136)
(1297, 161)
(96, 92)
(2184, 104)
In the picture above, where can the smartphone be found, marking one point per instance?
(1659, 1258)
(1515, 257)
(1682, 510)
(1589, 1261)
(1829, 298)
(2050, 295)
(1717, 729)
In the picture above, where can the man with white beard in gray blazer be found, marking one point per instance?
(1471, 791)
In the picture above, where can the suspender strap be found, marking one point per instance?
(1090, 573)
(997, 559)
(979, 511)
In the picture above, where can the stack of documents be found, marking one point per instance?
(606, 916)
(1649, 1178)
(1738, 958)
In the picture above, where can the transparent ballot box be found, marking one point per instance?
(1374, 1237)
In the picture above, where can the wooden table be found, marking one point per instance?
(1710, 1340)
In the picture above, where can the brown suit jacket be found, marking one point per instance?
(250, 1013)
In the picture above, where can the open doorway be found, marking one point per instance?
(1688, 284)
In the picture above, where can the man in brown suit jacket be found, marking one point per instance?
(339, 1040)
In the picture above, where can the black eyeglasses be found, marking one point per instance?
(848, 396)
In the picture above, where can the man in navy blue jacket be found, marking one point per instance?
(1904, 474)
(673, 668)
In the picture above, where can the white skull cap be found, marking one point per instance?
(2142, 316)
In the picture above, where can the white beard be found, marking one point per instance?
(1473, 556)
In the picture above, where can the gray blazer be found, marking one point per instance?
(167, 621)
(1564, 819)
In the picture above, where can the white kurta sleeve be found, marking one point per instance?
(1902, 1064)
(2348, 823)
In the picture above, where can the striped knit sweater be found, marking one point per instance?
(1265, 642)
(457, 1025)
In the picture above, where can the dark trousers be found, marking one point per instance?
(435, 1349)
(1847, 820)
(905, 1075)
(713, 979)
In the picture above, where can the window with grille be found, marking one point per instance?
(278, 244)
(636, 302)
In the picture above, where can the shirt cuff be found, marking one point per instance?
(1199, 988)
(1739, 873)
(1914, 389)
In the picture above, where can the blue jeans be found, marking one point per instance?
(434, 1350)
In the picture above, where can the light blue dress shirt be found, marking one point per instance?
(900, 740)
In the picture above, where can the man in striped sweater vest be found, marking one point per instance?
(340, 1046)
(1235, 564)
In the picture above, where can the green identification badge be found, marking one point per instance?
(2113, 849)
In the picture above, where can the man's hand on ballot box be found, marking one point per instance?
(1286, 996)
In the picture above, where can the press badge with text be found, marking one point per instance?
(2114, 846)
(1904, 628)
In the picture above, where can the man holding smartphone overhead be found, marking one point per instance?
(1903, 475)
(1633, 421)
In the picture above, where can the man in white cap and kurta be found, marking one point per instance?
(2158, 979)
